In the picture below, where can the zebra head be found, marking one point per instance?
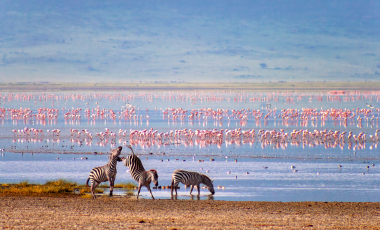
(154, 177)
(116, 152)
(208, 182)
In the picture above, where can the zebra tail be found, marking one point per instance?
(87, 182)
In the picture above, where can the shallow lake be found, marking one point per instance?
(38, 142)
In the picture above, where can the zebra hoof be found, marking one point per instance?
(110, 193)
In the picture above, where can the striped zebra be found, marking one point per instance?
(138, 172)
(106, 172)
(191, 178)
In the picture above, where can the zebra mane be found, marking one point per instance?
(133, 153)
(153, 170)
(135, 160)
(206, 178)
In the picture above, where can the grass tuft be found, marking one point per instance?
(126, 185)
(88, 196)
(129, 193)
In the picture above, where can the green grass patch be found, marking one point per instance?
(55, 187)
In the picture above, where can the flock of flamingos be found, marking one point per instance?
(297, 126)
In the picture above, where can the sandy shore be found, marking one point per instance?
(70, 212)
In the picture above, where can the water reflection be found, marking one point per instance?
(203, 138)
(192, 197)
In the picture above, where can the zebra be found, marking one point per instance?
(105, 173)
(139, 174)
(191, 178)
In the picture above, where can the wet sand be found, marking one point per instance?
(70, 212)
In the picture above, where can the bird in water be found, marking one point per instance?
(370, 106)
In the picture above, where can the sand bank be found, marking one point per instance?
(66, 211)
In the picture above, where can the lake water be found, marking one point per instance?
(327, 170)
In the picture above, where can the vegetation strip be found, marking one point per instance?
(54, 187)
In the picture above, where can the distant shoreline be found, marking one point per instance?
(117, 87)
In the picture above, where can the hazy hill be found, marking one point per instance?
(224, 41)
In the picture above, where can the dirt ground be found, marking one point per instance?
(73, 212)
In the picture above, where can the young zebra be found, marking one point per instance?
(138, 172)
(191, 178)
(105, 173)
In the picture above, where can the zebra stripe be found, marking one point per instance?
(138, 173)
(191, 178)
(105, 173)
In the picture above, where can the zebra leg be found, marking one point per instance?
(138, 191)
(199, 189)
(174, 186)
(112, 181)
(171, 189)
(191, 188)
(148, 187)
(94, 184)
